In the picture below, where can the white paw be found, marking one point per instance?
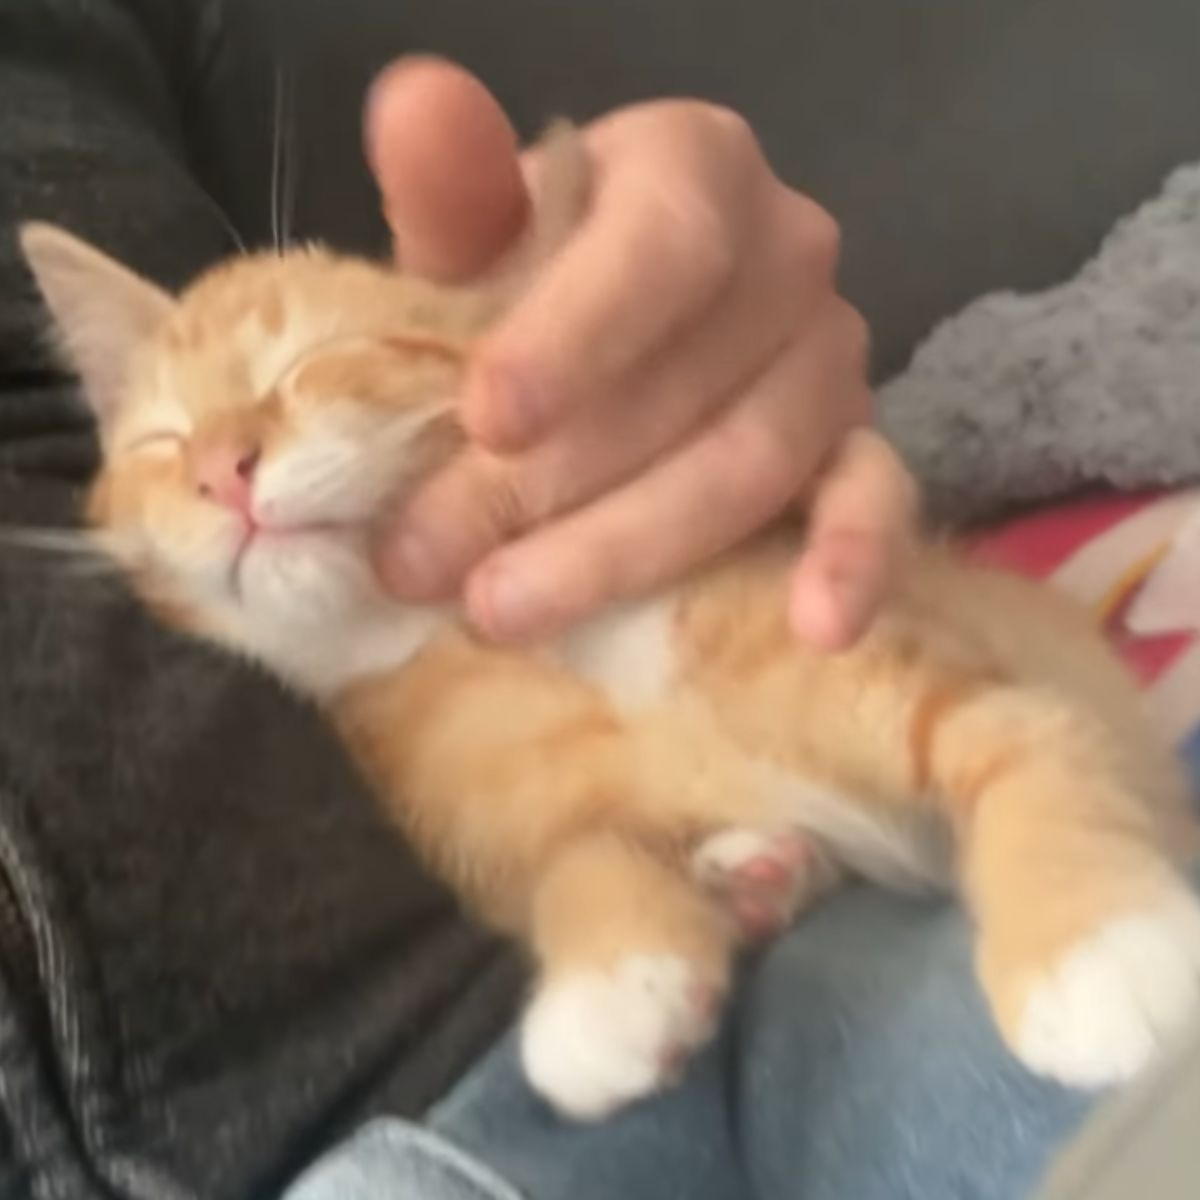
(593, 1041)
(1101, 1014)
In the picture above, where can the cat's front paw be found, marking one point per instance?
(1100, 1014)
(593, 1041)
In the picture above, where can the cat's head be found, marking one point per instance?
(254, 429)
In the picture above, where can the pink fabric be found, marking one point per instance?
(1135, 561)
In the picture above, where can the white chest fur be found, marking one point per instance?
(629, 653)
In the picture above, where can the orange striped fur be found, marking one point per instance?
(979, 736)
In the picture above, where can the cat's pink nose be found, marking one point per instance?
(225, 474)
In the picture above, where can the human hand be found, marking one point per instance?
(680, 374)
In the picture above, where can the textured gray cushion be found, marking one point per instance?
(1094, 381)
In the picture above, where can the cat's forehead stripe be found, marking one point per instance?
(426, 344)
(270, 311)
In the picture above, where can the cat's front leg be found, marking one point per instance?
(634, 967)
(559, 824)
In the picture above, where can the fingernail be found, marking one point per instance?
(511, 606)
(818, 612)
(849, 591)
(855, 597)
(509, 409)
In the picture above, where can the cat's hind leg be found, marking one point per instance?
(634, 965)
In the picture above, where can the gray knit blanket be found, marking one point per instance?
(1020, 398)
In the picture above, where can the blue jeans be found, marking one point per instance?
(859, 1063)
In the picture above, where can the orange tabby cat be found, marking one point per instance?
(580, 794)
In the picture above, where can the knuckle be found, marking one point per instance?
(833, 355)
(735, 133)
(860, 404)
(855, 334)
(540, 487)
(719, 130)
(810, 237)
(823, 240)
(712, 165)
(754, 465)
(508, 501)
(695, 240)
(847, 339)
(805, 246)
(537, 496)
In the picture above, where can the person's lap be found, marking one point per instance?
(871, 1069)
(859, 1062)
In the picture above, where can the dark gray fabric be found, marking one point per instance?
(229, 957)
(232, 957)
(964, 146)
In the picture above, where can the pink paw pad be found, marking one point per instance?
(765, 877)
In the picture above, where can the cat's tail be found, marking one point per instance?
(560, 182)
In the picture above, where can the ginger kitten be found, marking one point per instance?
(582, 795)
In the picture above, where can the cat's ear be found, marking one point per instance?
(101, 309)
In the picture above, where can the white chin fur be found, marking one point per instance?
(305, 581)
(309, 608)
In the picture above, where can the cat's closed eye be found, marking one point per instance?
(158, 441)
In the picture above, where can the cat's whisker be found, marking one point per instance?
(275, 158)
(226, 223)
(83, 550)
(288, 153)
(282, 183)
(87, 568)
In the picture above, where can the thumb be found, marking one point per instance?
(445, 159)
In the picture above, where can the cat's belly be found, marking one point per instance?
(629, 654)
(904, 850)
